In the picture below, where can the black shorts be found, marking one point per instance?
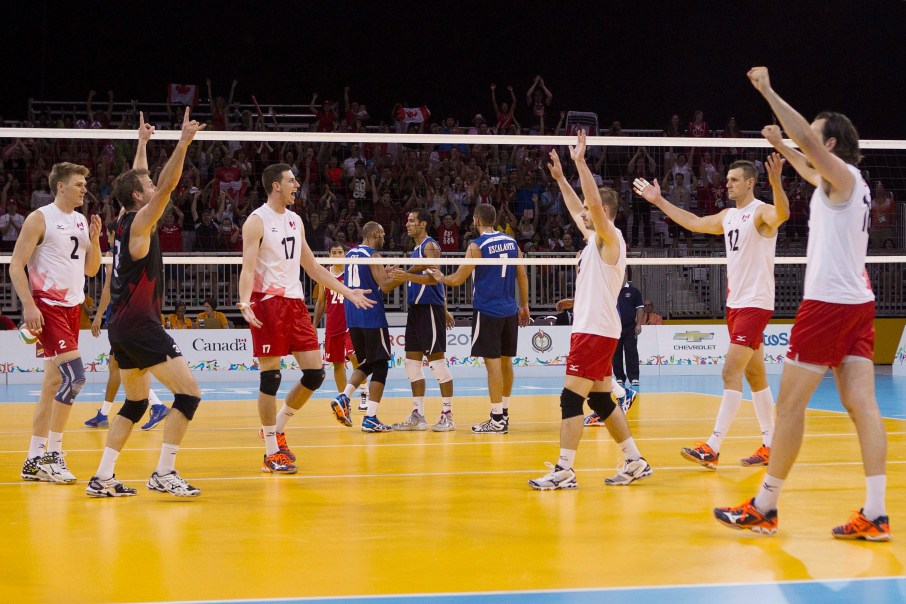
(494, 337)
(370, 343)
(426, 329)
(144, 349)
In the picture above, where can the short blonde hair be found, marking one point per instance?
(63, 171)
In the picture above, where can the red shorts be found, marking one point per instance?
(286, 327)
(590, 356)
(825, 333)
(61, 329)
(747, 325)
(337, 347)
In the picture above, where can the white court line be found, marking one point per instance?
(606, 470)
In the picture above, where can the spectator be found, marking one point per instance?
(211, 318)
(447, 233)
(229, 237)
(538, 98)
(642, 165)
(206, 231)
(650, 317)
(220, 107)
(797, 225)
(698, 128)
(730, 154)
(883, 216)
(504, 111)
(327, 115)
(169, 231)
(178, 318)
(41, 196)
(10, 225)
(350, 163)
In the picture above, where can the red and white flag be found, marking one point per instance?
(413, 115)
(183, 94)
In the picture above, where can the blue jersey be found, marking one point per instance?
(494, 289)
(417, 293)
(358, 276)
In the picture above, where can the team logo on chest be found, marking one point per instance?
(746, 216)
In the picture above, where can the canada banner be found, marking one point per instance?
(413, 115)
(183, 94)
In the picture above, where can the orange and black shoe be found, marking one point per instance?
(860, 527)
(278, 463)
(748, 517)
(702, 454)
(759, 458)
(281, 442)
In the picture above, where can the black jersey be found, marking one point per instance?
(136, 290)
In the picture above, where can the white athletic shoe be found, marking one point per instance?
(557, 478)
(415, 422)
(445, 423)
(630, 471)
(172, 483)
(54, 466)
(110, 487)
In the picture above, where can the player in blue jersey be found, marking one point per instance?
(495, 313)
(368, 326)
(425, 326)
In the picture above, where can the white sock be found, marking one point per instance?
(617, 390)
(37, 447)
(152, 398)
(447, 404)
(729, 407)
(769, 494)
(270, 439)
(505, 401)
(418, 404)
(630, 450)
(54, 442)
(286, 414)
(764, 410)
(167, 461)
(108, 461)
(497, 409)
(105, 408)
(875, 488)
(372, 408)
(348, 390)
(567, 458)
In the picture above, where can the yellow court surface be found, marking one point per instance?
(427, 513)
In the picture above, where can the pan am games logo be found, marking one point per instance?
(542, 342)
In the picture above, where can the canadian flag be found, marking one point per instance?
(183, 94)
(413, 115)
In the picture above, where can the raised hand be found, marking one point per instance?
(554, 166)
(772, 134)
(647, 190)
(94, 227)
(144, 130)
(578, 152)
(774, 165)
(189, 128)
(760, 79)
(493, 86)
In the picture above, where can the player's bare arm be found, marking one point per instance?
(320, 308)
(323, 276)
(651, 192)
(30, 236)
(773, 135)
(462, 273)
(414, 273)
(772, 216)
(522, 289)
(573, 203)
(93, 255)
(605, 230)
(103, 303)
(382, 277)
(252, 234)
(145, 131)
(837, 180)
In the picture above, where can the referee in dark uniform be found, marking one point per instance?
(631, 308)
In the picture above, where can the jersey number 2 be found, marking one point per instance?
(75, 248)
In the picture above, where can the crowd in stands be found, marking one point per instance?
(347, 184)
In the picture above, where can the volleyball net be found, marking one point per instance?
(347, 179)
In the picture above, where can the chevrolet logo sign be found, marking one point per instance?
(693, 336)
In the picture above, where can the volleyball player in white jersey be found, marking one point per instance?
(59, 246)
(596, 329)
(273, 302)
(834, 326)
(750, 237)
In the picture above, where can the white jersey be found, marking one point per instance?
(277, 267)
(56, 269)
(597, 287)
(750, 259)
(837, 244)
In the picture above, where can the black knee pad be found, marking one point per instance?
(312, 378)
(134, 411)
(270, 382)
(570, 404)
(186, 403)
(601, 403)
(379, 372)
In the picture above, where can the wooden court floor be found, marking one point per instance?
(406, 513)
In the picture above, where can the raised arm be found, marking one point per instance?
(573, 203)
(793, 156)
(323, 276)
(712, 224)
(832, 169)
(145, 131)
(604, 227)
(494, 98)
(777, 214)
